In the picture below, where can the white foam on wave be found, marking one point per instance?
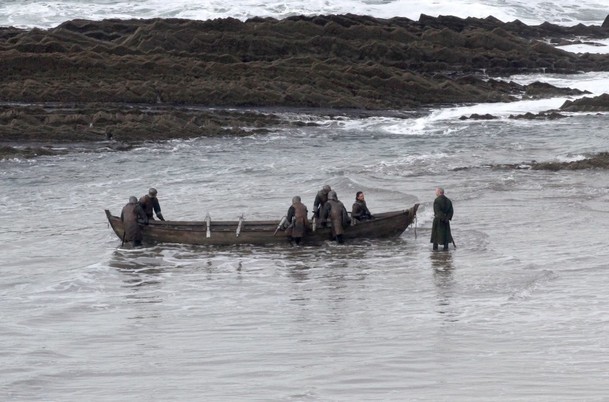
(30, 13)
(571, 158)
(596, 83)
(588, 46)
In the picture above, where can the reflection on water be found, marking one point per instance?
(442, 263)
(142, 270)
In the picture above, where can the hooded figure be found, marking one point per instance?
(335, 212)
(297, 220)
(150, 203)
(133, 216)
(320, 200)
(443, 213)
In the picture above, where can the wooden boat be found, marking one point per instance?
(386, 224)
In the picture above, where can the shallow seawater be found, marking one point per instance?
(517, 311)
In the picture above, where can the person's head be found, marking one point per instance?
(326, 189)
(359, 196)
(133, 200)
(332, 195)
(152, 192)
(296, 199)
(439, 191)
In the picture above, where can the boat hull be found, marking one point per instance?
(384, 225)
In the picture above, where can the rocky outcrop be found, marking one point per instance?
(598, 161)
(104, 122)
(343, 61)
(593, 104)
(145, 72)
(549, 115)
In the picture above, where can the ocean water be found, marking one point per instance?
(46, 14)
(517, 312)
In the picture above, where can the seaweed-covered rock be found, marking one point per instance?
(593, 104)
(131, 79)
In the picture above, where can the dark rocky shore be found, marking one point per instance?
(135, 80)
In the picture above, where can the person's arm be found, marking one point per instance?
(157, 209)
(346, 219)
(323, 215)
(450, 213)
(290, 216)
(356, 211)
(316, 206)
(142, 218)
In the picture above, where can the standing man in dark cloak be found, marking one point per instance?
(150, 203)
(133, 216)
(335, 212)
(296, 221)
(360, 210)
(443, 213)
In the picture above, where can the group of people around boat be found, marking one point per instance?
(328, 211)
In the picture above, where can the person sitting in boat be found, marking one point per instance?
(320, 199)
(335, 212)
(133, 216)
(296, 220)
(360, 210)
(150, 203)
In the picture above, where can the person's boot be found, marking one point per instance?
(445, 247)
(435, 246)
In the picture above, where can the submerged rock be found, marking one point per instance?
(551, 115)
(598, 161)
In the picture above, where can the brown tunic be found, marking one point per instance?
(132, 215)
(336, 213)
(297, 219)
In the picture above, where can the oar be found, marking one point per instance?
(239, 226)
(281, 222)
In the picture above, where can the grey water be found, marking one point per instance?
(518, 311)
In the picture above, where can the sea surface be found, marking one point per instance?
(518, 311)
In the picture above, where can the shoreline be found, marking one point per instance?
(130, 81)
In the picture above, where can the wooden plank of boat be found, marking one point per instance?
(385, 224)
